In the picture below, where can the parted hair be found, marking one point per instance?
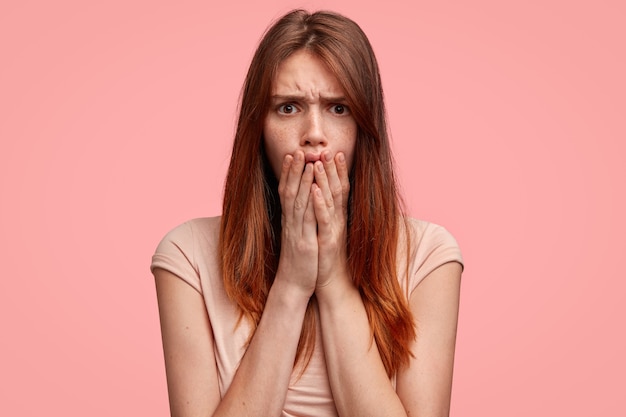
(249, 241)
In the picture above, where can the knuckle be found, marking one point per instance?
(296, 167)
(305, 247)
(298, 204)
(289, 193)
(323, 220)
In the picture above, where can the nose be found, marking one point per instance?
(313, 134)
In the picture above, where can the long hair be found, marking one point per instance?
(250, 227)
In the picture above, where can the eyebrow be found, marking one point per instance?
(296, 97)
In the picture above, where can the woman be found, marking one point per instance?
(302, 299)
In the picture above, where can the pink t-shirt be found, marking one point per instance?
(190, 252)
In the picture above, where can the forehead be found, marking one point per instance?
(306, 74)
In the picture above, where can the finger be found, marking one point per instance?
(334, 181)
(321, 179)
(309, 224)
(284, 173)
(344, 177)
(288, 188)
(322, 213)
(304, 191)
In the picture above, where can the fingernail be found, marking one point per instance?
(320, 167)
(340, 157)
(327, 156)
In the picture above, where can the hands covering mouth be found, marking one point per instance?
(313, 196)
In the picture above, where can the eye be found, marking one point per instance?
(339, 109)
(287, 108)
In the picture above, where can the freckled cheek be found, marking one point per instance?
(276, 145)
(348, 144)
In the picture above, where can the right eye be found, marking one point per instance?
(287, 108)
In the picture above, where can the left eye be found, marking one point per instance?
(339, 109)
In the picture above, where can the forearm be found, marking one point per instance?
(357, 375)
(262, 379)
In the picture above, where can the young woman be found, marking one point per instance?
(313, 294)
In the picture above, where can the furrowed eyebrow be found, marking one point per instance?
(281, 97)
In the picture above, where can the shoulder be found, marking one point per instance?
(430, 246)
(182, 247)
(202, 226)
(191, 232)
(431, 237)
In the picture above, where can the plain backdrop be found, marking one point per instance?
(508, 125)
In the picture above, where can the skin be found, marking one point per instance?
(309, 140)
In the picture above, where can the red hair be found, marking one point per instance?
(250, 226)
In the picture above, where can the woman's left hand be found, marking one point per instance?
(330, 197)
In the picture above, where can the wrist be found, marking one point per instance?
(289, 294)
(336, 288)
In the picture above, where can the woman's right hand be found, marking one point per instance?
(298, 262)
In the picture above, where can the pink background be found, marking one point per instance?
(508, 121)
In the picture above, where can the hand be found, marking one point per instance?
(299, 247)
(330, 202)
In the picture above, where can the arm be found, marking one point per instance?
(261, 381)
(188, 347)
(425, 386)
(356, 373)
(358, 379)
(357, 376)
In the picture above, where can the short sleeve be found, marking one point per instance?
(175, 253)
(435, 247)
